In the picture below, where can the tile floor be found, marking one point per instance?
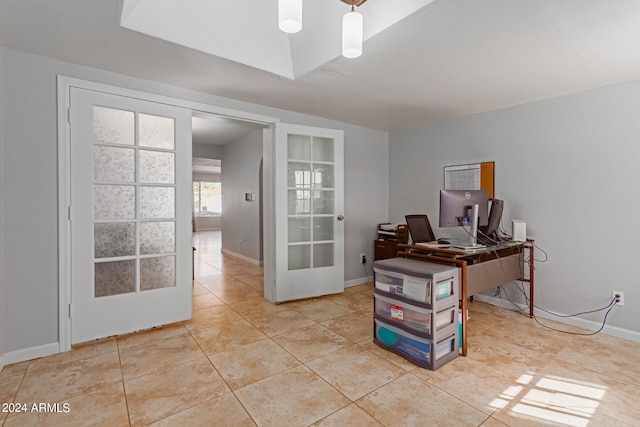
(242, 361)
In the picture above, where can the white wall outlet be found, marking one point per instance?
(363, 258)
(620, 301)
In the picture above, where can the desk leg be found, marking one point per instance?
(463, 306)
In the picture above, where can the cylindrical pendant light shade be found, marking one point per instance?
(352, 35)
(290, 15)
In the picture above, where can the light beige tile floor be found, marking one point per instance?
(242, 361)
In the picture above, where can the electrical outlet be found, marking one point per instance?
(620, 300)
(363, 258)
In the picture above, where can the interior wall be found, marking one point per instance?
(207, 151)
(2, 223)
(29, 119)
(569, 167)
(30, 204)
(240, 175)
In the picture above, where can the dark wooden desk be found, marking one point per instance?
(480, 269)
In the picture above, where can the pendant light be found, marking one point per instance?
(290, 15)
(290, 21)
(352, 26)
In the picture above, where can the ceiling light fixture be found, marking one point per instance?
(352, 30)
(290, 15)
(290, 21)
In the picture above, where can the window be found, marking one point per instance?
(207, 198)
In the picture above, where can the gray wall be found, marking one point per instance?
(569, 167)
(29, 161)
(2, 223)
(207, 151)
(241, 174)
(30, 204)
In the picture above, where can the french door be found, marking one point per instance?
(130, 214)
(309, 208)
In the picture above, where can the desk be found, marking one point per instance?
(480, 269)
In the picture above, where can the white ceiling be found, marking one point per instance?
(212, 130)
(450, 58)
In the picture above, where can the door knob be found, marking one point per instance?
(340, 217)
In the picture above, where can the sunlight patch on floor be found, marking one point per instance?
(552, 399)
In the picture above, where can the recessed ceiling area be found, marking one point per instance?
(247, 32)
(443, 59)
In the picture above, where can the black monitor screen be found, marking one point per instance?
(495, 216)
(456, 205)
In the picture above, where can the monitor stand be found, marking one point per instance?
(473, 235)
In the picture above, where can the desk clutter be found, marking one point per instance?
(416, 310)
(389, 235)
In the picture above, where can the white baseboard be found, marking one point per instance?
(30, 353)
(242, 257)
(573, 321)
(1, 362)
(356, 282)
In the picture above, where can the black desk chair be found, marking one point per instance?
(420, 228)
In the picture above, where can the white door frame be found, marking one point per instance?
(64, 85)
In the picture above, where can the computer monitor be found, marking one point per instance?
(493, 224)
(456, 206)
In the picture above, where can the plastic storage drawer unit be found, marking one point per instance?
(429, 354)
(416, 310)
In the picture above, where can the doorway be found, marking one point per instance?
(227, 156)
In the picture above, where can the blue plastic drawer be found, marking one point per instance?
(415, 347)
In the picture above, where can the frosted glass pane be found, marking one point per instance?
(113, 126)
(156, 131)
(156, 166)
(114, 278)
(322, 176)
(298, 175)
(299, 257)
(156, 273)
(157, 237)
(113, 164)
(299, 229)
(323, 149)
(157, 202)
(114, 239)
(299, 147)
(323, 202)
(299, 202)
(323, 255)
(114, 201)
(322, 228)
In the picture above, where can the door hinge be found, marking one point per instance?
(69, 311)
(69, 115)
(69, 212)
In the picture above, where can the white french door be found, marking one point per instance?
(309, 208)
(130, 214)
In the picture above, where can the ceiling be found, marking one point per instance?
(448, 58)
(214, 130)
